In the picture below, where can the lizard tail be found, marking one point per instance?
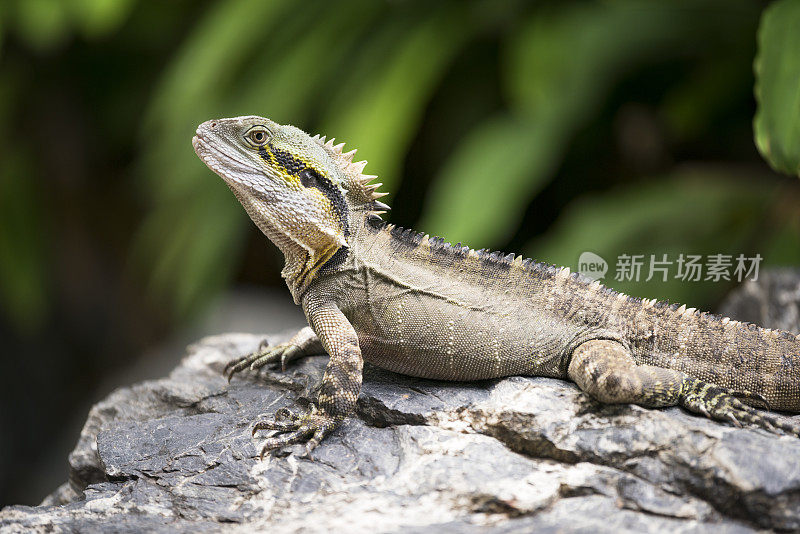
(739, 356)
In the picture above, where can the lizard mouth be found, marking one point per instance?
(230, 168)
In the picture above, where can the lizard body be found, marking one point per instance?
(416, 305)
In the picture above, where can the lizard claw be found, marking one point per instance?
(732, 418)
(752, 397)
(716, 402)
(265, 355)
(310, 427)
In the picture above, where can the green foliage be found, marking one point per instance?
(97, 18)
(486, 184)
(560, 66)
(381, 116)
(696, 211)
(46, 24)
(777, 67)
(42, 23)
(23, 285)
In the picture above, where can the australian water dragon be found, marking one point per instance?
(416, 305)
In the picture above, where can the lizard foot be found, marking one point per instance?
(283, 353)
(716, 402)
(310, 427)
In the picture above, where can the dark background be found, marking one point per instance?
(549, 129)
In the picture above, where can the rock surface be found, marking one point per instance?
(511, 455)
(773, 300)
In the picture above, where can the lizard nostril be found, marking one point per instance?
(213, 124)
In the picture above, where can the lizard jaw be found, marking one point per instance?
(229, 168)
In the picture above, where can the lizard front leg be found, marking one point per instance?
(340, 386)
(606, 370)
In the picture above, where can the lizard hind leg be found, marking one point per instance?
(606, 371)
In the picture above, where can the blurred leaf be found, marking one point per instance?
(289, 87)
(100, 17)
(781, 247)
(782, 228)
(501, 159)
(696, 211)
(559, 68)
(43, 24)
(711, 92)
(24, 285)
(777, 90)
(379, 113)
(193, 249)
(563, 61)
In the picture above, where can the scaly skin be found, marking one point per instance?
(418, 306)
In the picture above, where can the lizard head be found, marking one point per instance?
(302, 192)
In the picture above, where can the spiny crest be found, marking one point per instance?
(358, 183)
(405, 237)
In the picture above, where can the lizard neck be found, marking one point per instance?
(297, 273)
(305, 248)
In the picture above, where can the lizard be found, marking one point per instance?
(416, 305)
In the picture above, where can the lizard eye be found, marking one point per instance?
(257, 136)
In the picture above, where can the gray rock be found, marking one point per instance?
(512, 455)
(773, 300)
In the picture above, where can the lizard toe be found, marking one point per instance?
(281, 426)
(265, 355)
(309, 428)
(290, 438)
(235, 365)
(716, 402)
(751, 398)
